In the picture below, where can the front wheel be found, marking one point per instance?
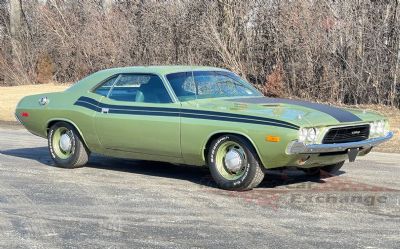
(234, 164)
(66, 147)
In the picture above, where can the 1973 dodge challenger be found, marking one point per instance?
(197, 116)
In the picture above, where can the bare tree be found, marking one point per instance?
(329, 50)
(15, 17)
(15, 26)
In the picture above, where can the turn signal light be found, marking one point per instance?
(272, 139)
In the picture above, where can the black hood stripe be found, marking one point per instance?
(188, 113)
(335, 112)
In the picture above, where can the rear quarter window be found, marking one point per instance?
(105, 87)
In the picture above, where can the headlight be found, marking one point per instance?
(312, 135)
(308, 135)
(378, 128)
(303, 133)
(372, 129)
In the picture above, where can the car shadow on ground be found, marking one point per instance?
(195, 174)
(40, 154)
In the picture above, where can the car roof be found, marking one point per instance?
(161, 70)
(93, 79)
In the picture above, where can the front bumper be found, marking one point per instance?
(301, 148)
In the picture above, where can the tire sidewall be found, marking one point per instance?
(250, 171)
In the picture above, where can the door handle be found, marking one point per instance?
(105, 110)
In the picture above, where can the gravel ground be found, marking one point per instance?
(115, 203)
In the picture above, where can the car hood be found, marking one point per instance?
(301, 113)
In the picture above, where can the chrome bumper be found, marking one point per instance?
(301, 148)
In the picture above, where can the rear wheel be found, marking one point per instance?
(233, 163)
(66, 147)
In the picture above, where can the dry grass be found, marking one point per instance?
(11, 95)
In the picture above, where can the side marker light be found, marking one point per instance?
(274, 139)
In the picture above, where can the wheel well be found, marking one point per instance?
(51, 123)
(214, 136)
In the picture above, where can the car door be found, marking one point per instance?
(138, 115)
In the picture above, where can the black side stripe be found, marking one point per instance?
(236, 120)
(175, 112)
(132, 112)
(123, 107)
(189, 111)
(88, 106)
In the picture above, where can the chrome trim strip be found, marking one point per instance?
(296, 147)
(169, 88)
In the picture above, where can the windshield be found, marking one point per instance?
(209, 84)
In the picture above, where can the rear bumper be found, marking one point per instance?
(301, 148)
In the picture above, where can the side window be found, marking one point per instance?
(140, 88)
(106, 86)
(183, 85)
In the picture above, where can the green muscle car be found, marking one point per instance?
(197, 116)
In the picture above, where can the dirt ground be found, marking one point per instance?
(11, 95)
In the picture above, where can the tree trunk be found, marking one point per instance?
(15, 32)
(15, 17)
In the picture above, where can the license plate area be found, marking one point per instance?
(352, 154)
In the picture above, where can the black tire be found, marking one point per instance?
(328, 169)
(251, 174)
(77, 156)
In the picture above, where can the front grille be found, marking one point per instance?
(346, 134)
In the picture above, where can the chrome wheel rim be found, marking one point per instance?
(63, 142)
(231, 160)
